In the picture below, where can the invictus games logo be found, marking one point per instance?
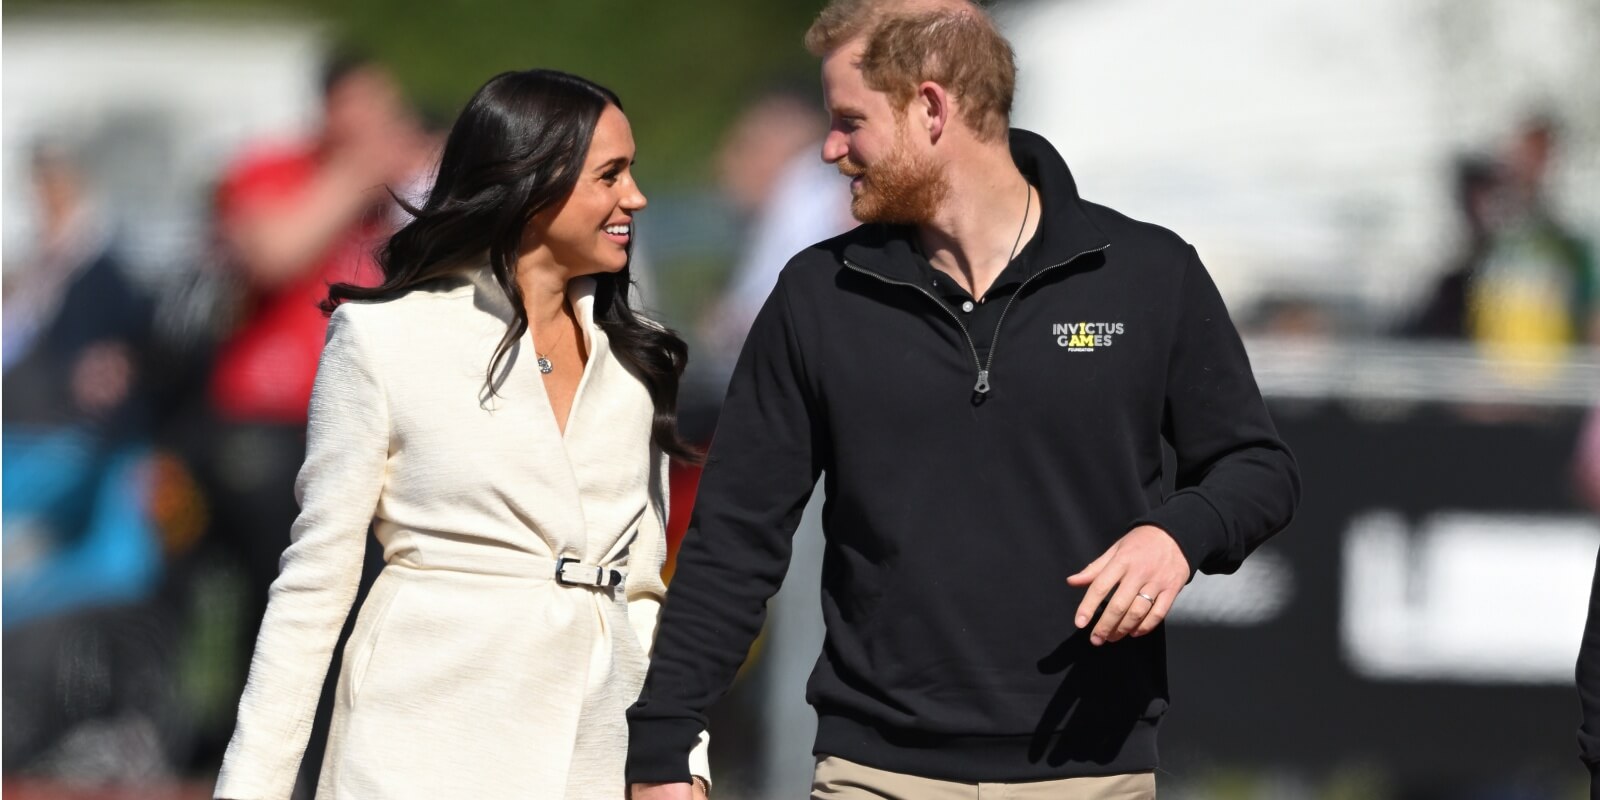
(1085, 337)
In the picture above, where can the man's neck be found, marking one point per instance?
(981, 224)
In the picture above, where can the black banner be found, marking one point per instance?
(1416, 617)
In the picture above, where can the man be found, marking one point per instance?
(984, 372)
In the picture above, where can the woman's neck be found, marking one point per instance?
(544, 289)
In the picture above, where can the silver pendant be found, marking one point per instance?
(545, 366)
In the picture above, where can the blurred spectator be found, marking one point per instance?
(1444, 315)
(763, 140)
(88, 682)
(1524, 286)
(771, 169)
(291, 219)
(75, 331)
(73, 321)
(1535, 290)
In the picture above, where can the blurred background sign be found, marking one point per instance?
(1440, 567)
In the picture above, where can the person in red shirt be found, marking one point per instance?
(291, 219)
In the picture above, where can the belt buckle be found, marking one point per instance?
(561, 574)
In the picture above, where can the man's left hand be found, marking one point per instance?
(1142, 574)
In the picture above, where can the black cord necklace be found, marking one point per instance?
(1026, 207)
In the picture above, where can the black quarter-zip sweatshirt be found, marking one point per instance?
(967, 473)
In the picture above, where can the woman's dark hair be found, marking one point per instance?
(516, 149)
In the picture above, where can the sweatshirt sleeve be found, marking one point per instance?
(1237, 484)
(646, 590)
(347, 447)
(762, 467)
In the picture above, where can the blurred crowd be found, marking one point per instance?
(151, 439)
(1520, 282)
(1523, 281)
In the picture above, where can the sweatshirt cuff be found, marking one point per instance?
(1193, 523)
(659, 750)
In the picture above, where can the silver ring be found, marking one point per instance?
(1148, 597)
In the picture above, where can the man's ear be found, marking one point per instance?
(931, 108)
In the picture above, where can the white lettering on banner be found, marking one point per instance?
(1255, 595)
(1466, 596)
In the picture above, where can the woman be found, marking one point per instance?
(500, 414)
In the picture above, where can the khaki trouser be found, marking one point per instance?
(838, 779)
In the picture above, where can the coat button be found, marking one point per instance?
(967, 306)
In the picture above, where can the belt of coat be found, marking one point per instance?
(565, 570)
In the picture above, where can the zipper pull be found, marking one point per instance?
(983, 382)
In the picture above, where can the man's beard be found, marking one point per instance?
(899, 189)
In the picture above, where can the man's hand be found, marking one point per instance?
(667, 791)
(1147, 570)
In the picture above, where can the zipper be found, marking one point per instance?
(982, 386)
(983, 374)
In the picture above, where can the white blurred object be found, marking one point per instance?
(1467, 596)
(1257, 594)
(1304, 146)
(1373, 372)
(157, 102)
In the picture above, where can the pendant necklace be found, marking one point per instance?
(545, 365)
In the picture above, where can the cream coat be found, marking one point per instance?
(471, 673)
